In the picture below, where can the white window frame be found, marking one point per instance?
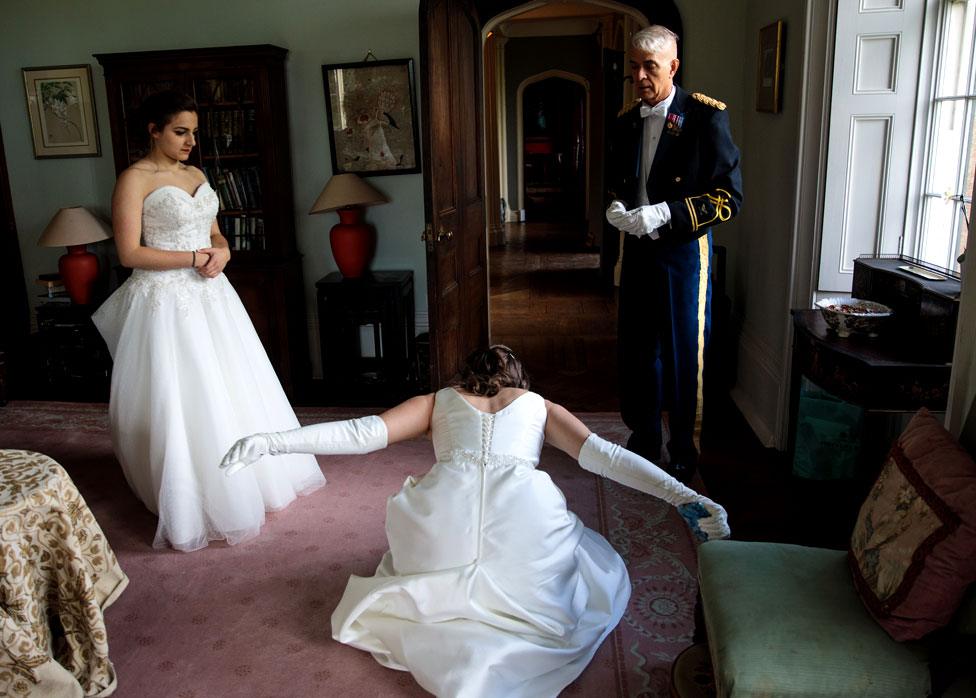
(924, 135)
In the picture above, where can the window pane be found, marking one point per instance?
(956, 50)
(948, 146)
(937, 232)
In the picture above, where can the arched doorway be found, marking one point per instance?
(551, 71)
(553, 147)
(457, 184)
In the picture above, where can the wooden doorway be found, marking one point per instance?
(457, 211)
(554, 129)
(457, 269)
(15, 316)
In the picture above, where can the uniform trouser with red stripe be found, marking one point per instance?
(663, 327)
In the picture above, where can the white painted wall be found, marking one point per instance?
(721, 46)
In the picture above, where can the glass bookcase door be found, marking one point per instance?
(230, 153)
(133, 94)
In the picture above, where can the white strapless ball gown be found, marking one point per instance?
(190, 377)
(491, 587)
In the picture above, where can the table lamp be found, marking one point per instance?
(75, 227)
(353, 240)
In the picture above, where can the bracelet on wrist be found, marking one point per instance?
(193, 262)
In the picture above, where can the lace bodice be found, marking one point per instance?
(515, 432)
(174, 220)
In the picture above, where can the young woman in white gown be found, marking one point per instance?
(190, 375)
(491, 587)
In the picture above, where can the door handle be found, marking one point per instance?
(430, 238)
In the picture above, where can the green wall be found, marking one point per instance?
(52, 32)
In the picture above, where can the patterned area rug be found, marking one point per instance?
(253, 620)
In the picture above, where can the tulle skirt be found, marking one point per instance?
(190, 378)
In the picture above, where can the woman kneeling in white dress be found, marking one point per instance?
(491, 587)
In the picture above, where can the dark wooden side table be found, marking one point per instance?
(880, 373)
(366, 331)
(69, 355)
(887, 377)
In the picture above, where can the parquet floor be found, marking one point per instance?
(547, 303)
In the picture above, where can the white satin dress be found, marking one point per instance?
(491, 587)
(190, 377)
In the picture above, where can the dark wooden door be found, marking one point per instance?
(15, 316)
(457, 278)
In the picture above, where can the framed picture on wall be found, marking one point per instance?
(62, 111)
(372, 117)
(770, 67)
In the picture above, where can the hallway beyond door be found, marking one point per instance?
(548, 304)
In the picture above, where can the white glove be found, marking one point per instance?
(617, 215)
(643, 220)
(362, 435)
(616, 463)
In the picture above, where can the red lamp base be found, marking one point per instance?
(78, 269)
(353, 242)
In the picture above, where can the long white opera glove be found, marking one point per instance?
(643, 220)
(351, 436)
(611, 461)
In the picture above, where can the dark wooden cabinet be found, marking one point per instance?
(243, 148)
(850, 397)
(367, 334)
(69, 357)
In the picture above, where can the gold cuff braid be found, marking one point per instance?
(707, 208)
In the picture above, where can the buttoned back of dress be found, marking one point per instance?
(489, 495)
(517, 430)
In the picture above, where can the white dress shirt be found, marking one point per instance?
(653, 126)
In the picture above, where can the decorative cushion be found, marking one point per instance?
(913, 550)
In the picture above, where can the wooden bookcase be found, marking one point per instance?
(243, 148)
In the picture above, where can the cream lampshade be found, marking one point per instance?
(353, 240)
(74, 228)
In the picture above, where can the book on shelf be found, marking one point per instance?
(230, 131)
(243, 232)
(237, 188)
(53, 287)
(55, 297)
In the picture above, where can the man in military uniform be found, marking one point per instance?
(673, 174)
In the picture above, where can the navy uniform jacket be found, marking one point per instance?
(695, 168)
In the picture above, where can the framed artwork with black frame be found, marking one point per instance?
(372, 117)
(770, 67)
(62, 111)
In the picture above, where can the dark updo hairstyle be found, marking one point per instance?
(159, 108)
(486, 371)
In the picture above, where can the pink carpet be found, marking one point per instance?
(253, 620)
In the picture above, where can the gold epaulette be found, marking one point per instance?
(705, 99)
(627, 107)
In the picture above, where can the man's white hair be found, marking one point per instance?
(654, 39)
